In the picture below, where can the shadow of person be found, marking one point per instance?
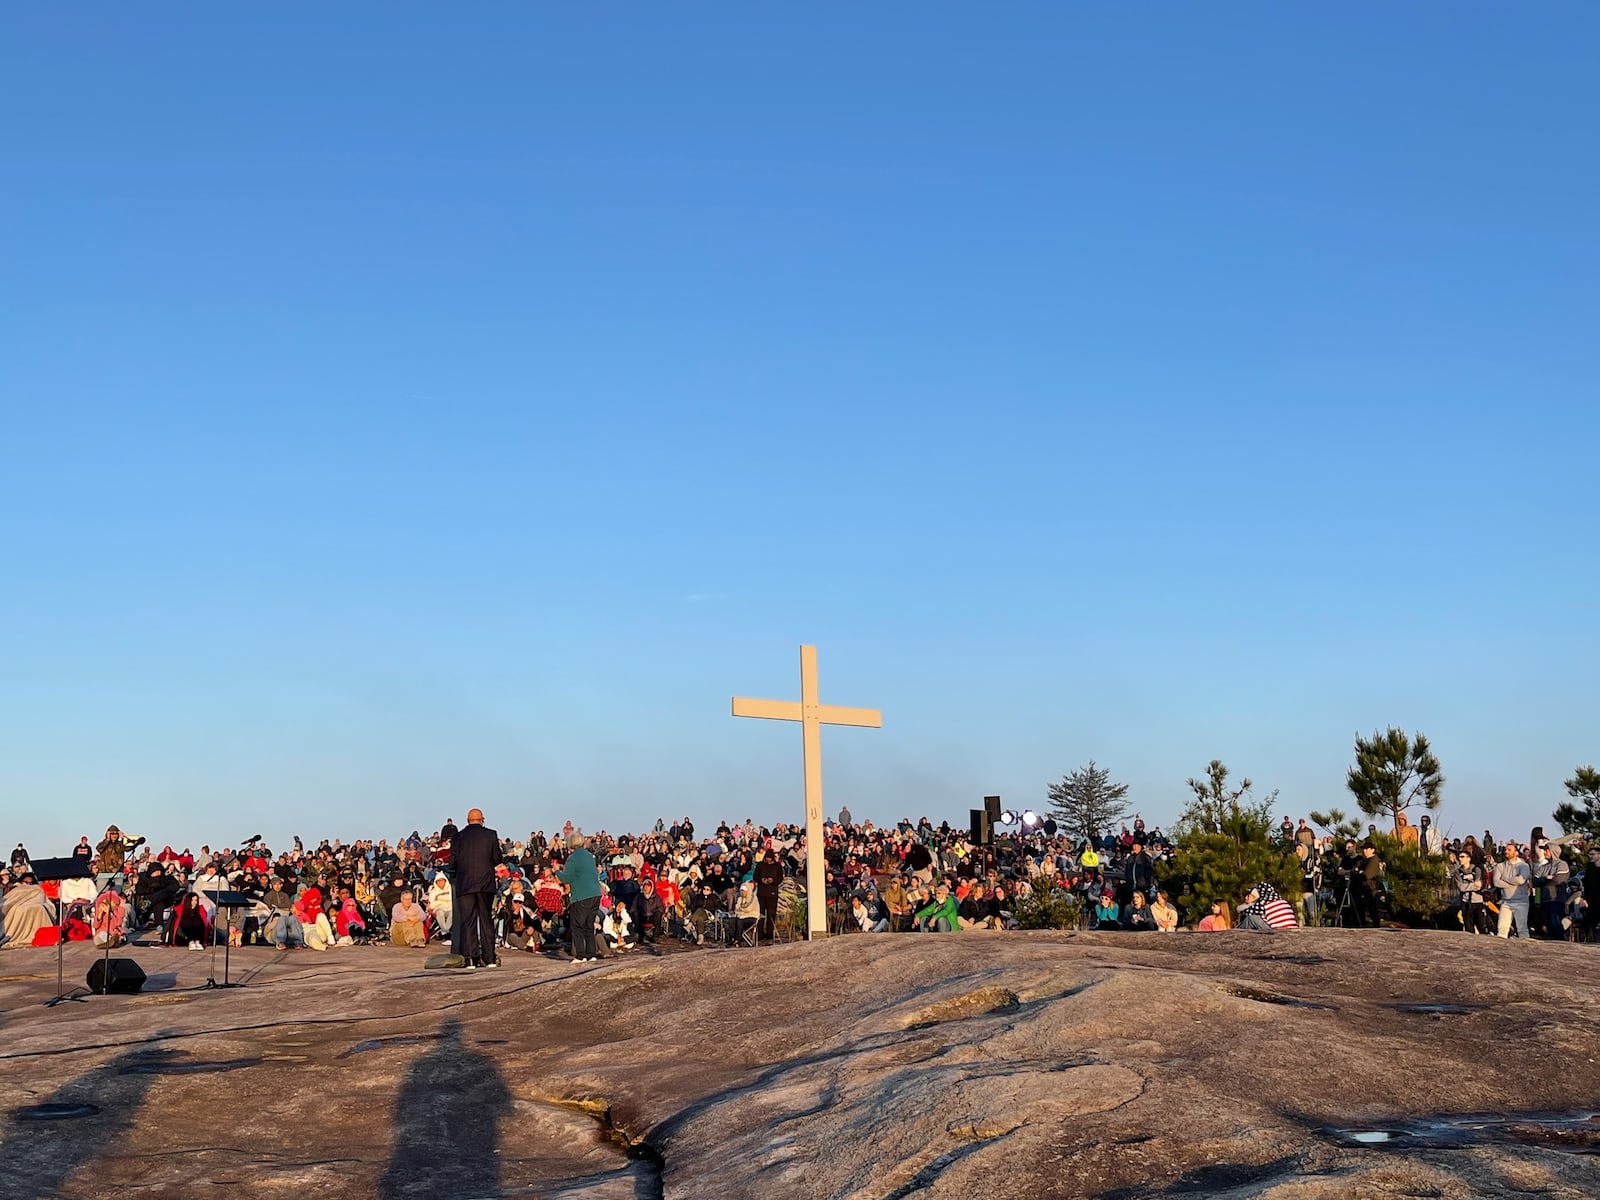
(447, 1124)
(47, 1138)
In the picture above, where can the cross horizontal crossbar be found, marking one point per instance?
(791, 710)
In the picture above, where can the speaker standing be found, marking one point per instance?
(474, 854)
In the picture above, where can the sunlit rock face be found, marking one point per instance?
(1307, 1064)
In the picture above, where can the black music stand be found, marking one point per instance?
(57, 870)
(223, 900)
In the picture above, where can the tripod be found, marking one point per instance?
(1346, 903)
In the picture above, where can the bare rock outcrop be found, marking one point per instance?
(1312, 1064)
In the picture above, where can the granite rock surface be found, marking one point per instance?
(1312, 1064)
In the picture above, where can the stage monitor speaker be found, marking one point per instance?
(115, 977)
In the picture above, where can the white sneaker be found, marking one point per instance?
(489, 966)
(472, 966)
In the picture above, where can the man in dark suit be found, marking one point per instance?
(473, 857)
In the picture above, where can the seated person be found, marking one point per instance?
(110, 918)
(648, 912)
(1107, 914)
(1000, 907)
(315, 931)
(1165, 914)
(973, 911)
(746, 910)
(863, 918)
(405, 921)
(441, 907)
(1264, 910)
(1217, 919)
(616, 927)
(189, 925)
(518, 923)
(348, 923)
(153, 894)
(704, 905)
(939, 915)
(27, 910)
(1138, 918)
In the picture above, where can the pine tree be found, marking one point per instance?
(1584, 786)
(1392, 773)
(1223, 845)
(1087, 804)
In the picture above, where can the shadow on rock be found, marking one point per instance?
(447, 1124)
(46, 1140)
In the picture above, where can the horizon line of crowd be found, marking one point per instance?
(740, 886)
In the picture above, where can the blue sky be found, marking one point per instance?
(405, 409)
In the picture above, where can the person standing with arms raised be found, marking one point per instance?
(582, 878)
(474, 855)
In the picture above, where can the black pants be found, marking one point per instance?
(580, 920)
(474, 931)
(1367, 906)
(769, 913)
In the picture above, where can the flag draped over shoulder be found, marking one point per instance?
(1271, 908)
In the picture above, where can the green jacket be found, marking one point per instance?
(581, 874)
(945, 909)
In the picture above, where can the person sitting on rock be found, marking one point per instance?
(1138, 918)
(862, 917)
(518, 923)
(314, 928)
(939, 915)
(1265, 911)
(110, 918)
(406, 921)
(1107, 913)
(189, 926)
(616, 927)
(1166, 916)
(27, 910)
(1217, 919)
(650, 912)
(348, 924)
(974, 910)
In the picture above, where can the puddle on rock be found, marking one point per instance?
(1577, 1132)
(383, 1043)
(1245, 993)
(56, 1112)
(1428, 1009)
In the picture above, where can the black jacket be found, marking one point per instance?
(768, 877)
(474, 854)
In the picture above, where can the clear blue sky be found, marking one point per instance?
(406, 408)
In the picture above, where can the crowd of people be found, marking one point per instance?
(738, 885)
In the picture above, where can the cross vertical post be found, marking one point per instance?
(812, 715)
(811, 752)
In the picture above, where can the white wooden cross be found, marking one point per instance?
(812, 715)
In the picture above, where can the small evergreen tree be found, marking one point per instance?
(1087, 804)
(1415, 881)
(1393, 772)
(1584, 788)
(1223, 845)
(1047, 906)
(1213, 798)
